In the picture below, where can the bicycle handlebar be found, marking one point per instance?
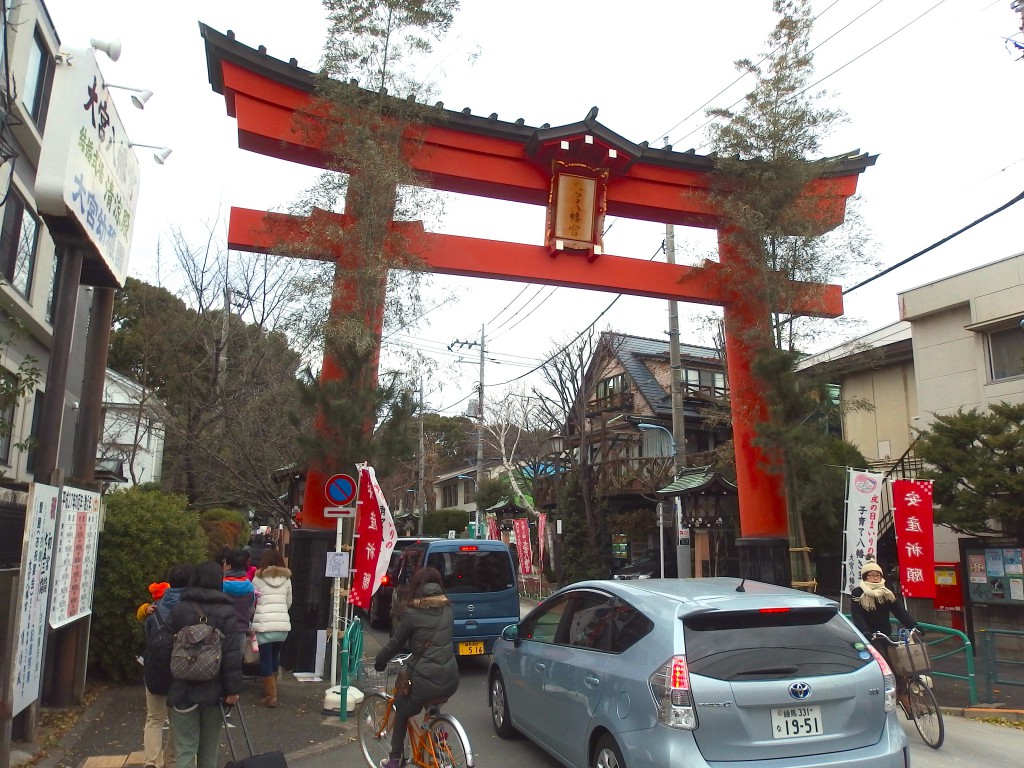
(915, 632)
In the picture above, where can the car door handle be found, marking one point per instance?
(591, 682)
(540, 667)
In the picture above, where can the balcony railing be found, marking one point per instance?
(620, 401)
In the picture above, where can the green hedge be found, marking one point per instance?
(145, 532)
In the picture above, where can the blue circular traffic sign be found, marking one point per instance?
(340, 489)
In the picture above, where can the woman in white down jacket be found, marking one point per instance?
(273, 583)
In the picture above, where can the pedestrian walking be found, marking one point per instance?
(271, 622)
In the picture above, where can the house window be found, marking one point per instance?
(6, 421)
(1006, 353)
(51, 294)
(38, 80)
(704, 381)
(450, 496)
(612, 386)
(19, 238)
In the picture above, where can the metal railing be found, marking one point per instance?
(994, 667)
(942, 644)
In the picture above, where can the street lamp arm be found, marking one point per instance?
(648, 427)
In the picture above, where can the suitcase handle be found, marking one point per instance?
(227, 731)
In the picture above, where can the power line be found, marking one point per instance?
(1016, 199)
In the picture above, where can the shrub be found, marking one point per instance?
(224, 528)
(145, 532)
(439, 522)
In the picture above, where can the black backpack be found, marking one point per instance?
(156, 659)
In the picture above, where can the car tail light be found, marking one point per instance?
(670, 685)
(385, 581)
(468, 548)
(888, 677)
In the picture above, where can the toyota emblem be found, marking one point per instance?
(799, 691)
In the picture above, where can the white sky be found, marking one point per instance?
(928, 85)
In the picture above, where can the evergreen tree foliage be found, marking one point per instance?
(227, 428)
(145, 532)
(368, 135)
(975, 459)
(767, 153)
(580, 558)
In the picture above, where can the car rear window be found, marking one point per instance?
(474, 571)
(755, 645)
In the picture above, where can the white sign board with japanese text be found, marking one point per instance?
(36, 558)
(88, 171)
(74, 567)
(863, 508)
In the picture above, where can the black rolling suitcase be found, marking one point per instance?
(263, 760)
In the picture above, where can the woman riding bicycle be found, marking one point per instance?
(426, 627)
(873, 603)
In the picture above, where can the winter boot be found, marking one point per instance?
(269, 691)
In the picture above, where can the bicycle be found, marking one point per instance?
(909, 659)
(438, 740)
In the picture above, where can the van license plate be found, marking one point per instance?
(796, 722)
(471, 649)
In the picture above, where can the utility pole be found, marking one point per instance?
(683, 557)
(423, 469)
(479, 432)
(479, 417)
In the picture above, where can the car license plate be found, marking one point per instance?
(471, 649)
(796, 722)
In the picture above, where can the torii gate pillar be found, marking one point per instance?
(580, 172)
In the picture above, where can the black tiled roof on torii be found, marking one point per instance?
(224, 47)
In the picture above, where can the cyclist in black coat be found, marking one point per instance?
(194, 706)
(426, 625)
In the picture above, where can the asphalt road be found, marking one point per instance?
(968, 742)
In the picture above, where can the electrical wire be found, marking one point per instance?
(1013, 201)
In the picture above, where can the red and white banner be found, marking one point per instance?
(863, 508)
(521, 528)
(376, 533)
(492, 528)
(542, 524)
(915, 536)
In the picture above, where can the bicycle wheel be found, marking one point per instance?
(375, 722)
(450, 743)
(926, 713)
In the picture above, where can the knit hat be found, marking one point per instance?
(869, 566)
(157, 589)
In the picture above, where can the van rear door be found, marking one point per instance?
(481, 586)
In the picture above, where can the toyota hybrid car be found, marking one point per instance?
(695, 672)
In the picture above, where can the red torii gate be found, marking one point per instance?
(461, 152)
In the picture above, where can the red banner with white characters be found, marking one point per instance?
(492, 528)
(915, 536)
(521, 527)
(542, 524)
(375, 542)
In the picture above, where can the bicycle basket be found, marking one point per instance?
(907, 659)
(369, 679)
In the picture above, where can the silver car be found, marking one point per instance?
(695, 672)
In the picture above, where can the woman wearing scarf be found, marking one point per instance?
(873, 603)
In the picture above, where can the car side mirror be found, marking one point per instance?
(511, 633)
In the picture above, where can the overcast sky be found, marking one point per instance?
(931, 86)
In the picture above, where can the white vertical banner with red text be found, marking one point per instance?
(375, 541)
(863, 509)
(492, 528)
(521, 527)
(915, 536)
(542, 526)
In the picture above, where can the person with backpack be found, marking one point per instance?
(155, 753)
(205, 629)
(271, 621)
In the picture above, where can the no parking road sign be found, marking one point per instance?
(340, 491)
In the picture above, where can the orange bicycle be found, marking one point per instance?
(438, 740)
